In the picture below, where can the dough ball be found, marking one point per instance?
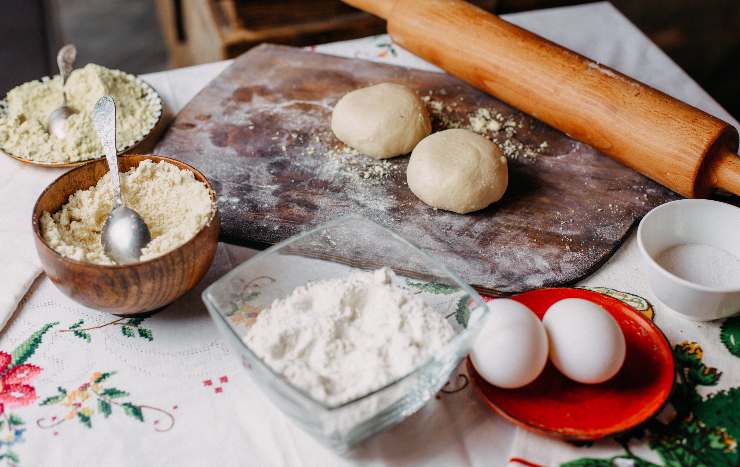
(457, 170)
(382, 121)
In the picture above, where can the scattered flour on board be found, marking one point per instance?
(328, 180)
(493, 125)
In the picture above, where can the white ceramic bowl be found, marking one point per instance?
(691, 221)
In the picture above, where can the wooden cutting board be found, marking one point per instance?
(261, 133)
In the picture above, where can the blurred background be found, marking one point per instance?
(141, 36)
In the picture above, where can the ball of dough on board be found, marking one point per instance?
(382, 121)
(457, 170)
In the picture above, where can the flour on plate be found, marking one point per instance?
(339, 339)
(23, 130)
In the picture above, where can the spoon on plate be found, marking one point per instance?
(57, 122)
(124, 233)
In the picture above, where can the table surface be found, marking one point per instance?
(166, 390)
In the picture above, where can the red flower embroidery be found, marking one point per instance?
(14, 390)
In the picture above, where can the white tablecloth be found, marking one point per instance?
(189, 402)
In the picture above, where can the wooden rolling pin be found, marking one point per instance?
(675, 144)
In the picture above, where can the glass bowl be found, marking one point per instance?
(334, 250)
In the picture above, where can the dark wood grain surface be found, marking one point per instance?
(260, 132)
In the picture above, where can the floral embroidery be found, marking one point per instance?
(431, 287)
(635, 301)
(245, 313)
(14, 388)
(15, 391)
(386, 47)
(525, 462)
(248, 290)
(11, 433)
(730, 335)
(462, 305)
(703, 431)
(128, 325)
(93, 397)
(217, 389)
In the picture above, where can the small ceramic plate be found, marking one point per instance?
(149, 94)
(556, 406)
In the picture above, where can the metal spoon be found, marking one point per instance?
(124, 233)
(57, 122)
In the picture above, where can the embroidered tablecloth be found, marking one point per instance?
(80, 387)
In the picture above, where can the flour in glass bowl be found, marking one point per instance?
(339, 339)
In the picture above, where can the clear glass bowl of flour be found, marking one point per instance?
(335, 250)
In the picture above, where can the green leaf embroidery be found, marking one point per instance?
(26, 349)
(77, 324)
(114, 393)
(588, 462)
(84, 419)
(133, 411)
(82, 335)
(104, 376)
(730, 335)
(104, 408)
(462, 311)
(12, 456)
(15, 420)
(695, 371)
(389, 47)
(432, 287)
(251, 296)
(127, 331)
(135, 321)
(704, 430)
(721, 410)
(53, 400)
(145, 333)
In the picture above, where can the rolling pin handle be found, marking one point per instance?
(724, 172)
(380, 8)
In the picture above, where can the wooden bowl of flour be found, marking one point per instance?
(132, 288)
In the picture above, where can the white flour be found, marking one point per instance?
(339, 339)
(702, 264)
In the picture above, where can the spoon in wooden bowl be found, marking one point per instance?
(57, 122)
(125, 233)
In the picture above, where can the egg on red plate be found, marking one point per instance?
(586, 343)
(510, 350)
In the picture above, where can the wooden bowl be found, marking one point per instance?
(124, 289)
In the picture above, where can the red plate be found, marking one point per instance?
(557, 406)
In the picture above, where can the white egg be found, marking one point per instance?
(586, 343)
(511, 349)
